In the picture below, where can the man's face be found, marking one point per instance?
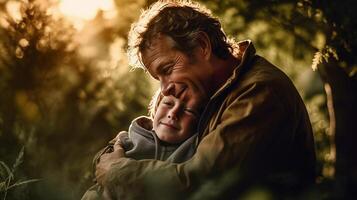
(186, 78)
(174, 122)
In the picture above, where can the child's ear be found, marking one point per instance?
(205, 48)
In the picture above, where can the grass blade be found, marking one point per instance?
(23, 182)
(2, 186)
(7, 169)
(19, 159)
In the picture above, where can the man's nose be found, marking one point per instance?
(168, 89)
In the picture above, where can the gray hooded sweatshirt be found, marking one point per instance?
(141, 142)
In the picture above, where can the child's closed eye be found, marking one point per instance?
(191, 111)
(168, 103)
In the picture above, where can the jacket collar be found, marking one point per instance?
(246, 53)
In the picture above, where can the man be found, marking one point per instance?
(254, 131)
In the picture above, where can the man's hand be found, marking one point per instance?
(106, 160)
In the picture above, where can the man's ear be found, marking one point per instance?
(205, 48)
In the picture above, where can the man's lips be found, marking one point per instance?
(169, 125)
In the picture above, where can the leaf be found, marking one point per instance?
(19, 159)
(331, 51)
(7, 170)
(23, 182)
(316, 60)
(3, 173)
(2, 186)
(353, 71)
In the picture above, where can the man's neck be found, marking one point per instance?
(223, 70)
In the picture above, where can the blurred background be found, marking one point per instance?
(66, 87)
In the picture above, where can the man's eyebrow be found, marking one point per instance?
(157, 70)
(160, 67)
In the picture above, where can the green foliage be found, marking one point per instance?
(299, 27)
(7, 177)
(65, 93)
(335, 19)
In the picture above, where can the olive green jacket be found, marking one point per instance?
(255, 129)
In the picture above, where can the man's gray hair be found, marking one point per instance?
(183, 21)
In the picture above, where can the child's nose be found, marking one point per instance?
(173, 113)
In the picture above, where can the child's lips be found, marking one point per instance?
(170, 125)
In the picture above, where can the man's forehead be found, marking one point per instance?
(159, 43)
(161, 39)
(157, 53)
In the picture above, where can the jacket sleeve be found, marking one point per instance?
(248, 118)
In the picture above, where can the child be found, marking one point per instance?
(170, 136)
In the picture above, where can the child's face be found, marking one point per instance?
(174, 121)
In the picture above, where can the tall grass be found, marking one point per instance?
(8, 180)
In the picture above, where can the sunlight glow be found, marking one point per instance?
(84, 9)
(13, 8)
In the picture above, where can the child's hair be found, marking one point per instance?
(154, 103)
